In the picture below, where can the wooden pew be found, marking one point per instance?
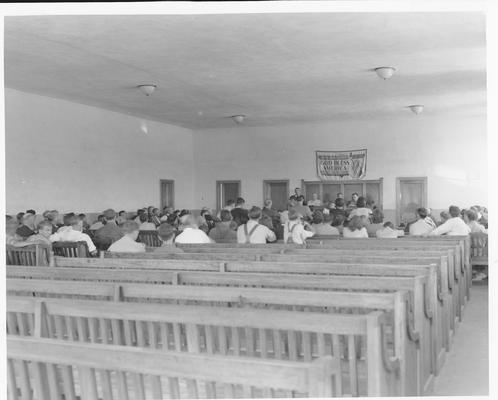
(440, 327)
(416, 286)
(406, 340)
(186, 375)
(479, 248)
(34, 254)
(218, 330)
(71, 249)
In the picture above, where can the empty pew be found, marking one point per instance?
(406, 340)
(440, 325)
(416, 286)
(183, 375)
(216, 330)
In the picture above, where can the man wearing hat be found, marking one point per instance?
(110, 232)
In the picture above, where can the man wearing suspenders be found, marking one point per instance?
(295, 230)
(253, 231)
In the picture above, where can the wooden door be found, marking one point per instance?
(278, 192)
(226, 190)
(411, 193)
(167, 193)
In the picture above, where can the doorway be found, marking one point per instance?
(411, 193)
(226, 190)
(277, 191)
(167, 193)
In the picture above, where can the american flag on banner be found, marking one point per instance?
(341, 165)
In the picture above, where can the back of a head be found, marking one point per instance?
(361, 202)
(225, 215)
(121, 213)
(377, 216)
(255, 213)
(422, 212)
(240, 201)
(166, 231)
(471, 215)
(389, 224)
(230, 202)
(129, 227)
(109, 214)
(44, 224)
(143, 218)
(317, 217)
(338, 220)
(71, 220)
(82, 215)
(445, 215)
(189, 221)
(355, 223)
(294, 215)
(33, 212)
(339, 202)
(268, 203)
(20, 217)
(454, 211)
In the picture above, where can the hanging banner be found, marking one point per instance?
(341, 165)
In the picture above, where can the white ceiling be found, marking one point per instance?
(277, 69)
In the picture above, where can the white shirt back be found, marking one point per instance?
(259, 235)
(193, 235)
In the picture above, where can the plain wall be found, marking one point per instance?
(450, 152)
(71, 157)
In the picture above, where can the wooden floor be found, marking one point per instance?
(465, 372)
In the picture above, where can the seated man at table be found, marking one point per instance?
(253, 231)
(72, 232)
(167, 233)
(128, 243)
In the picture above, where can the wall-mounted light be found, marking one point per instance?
(147, 89)
(385, 72)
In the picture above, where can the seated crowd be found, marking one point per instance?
(117, 232)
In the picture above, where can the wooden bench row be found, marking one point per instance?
(253, 333)
(418, 313)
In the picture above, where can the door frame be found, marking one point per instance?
(266, 182)
(172, 182)
(219, 206)
(399, 179)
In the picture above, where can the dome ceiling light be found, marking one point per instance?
(416, 108)
(147, 89)
(384, 72)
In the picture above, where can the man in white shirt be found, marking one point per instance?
(128, 243)
(294, 229)
(253, 231)
(73, 233)
(420, 227)
(315, 201)
(191, 232)
(388, 232)
(454, 226)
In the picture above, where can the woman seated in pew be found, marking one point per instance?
(388, 232)
(338, 222)
(470, 218)
(167, 234)
(356, 228)
(128, 243)
(322, 224)
(361, 210)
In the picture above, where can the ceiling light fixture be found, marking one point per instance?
(416, 108)
(385, 72)
(238, 118)
(147, 89)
